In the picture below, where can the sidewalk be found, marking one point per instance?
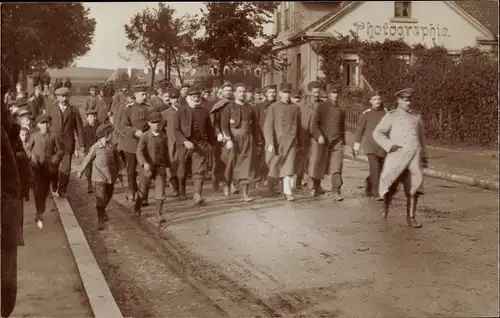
(481, 165)
(49, 284)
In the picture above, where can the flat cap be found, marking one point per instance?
(313, 84)
(23, 111)
(185, 85)
(154, 117)
(91, 112)
(374, 93)
(239, 84)
(103, 129)
(334, 89)
(193, 91)
(43, 118)
(258, 91)
(286, 87)
(267, 87)
(173, 93)
(407, 92)
(63, 91)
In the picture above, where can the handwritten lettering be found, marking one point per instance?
(422, 32)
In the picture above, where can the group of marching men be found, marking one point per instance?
(164, 137)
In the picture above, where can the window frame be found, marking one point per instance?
(286, 16)
(402, 4)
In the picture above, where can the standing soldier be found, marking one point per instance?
(66, 122)
(152, 156)
(261, 112)
(168, 121)
(89, 138)
(282, 140)
(133, 124)
(307, 107)
(401, 134)
(367, 123)
(239, 124)
(328, 145)
(218, 165)
(193, 132)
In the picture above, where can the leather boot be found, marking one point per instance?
(182, 189)
(175, 187)
(298, 182)
(271, 182)
(159, 213)
(100, 219)
(411, 209)
(198, 187)
(244, 192)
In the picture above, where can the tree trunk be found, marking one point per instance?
(166, 75)
(177, 66)
(169, 67)
(221, 72)
(153, 74)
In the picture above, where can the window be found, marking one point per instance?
(402, 9)
(287, 16)
(278, 21)
(319, 70)
(350, 73)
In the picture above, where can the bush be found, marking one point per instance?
(456, 95)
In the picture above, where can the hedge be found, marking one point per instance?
(457, 95)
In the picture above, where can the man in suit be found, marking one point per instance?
(66, 121)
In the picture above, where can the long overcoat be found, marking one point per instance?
(65, 125)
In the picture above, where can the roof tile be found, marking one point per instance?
(484, 11)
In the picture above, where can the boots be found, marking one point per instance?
(298, 182)
(100, 219)
(411, 209)
(271, 182)
(316, 183)
(90, 189)
(198, 187)
(234, 188)
(244, 192)
(175, 187)
(182, 189)
(159, 214)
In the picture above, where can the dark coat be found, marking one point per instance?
(65, 125)
(183, 124)
(36, 106)
(133, 118)
(364, 132)
(89, 136)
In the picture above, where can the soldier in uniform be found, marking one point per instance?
(153, 158)
(328, 131)
(282, 140)
(239, 124)
(194, 134)
(261, 112)
(168, 116)
(133, 123)
(401, 134)
(366, 124)
(307, 108)
(66, 122)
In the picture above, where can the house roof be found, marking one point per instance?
(485, 12)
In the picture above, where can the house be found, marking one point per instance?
(453, 24)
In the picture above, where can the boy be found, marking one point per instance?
(103, 158)
(89, 138)
(44, 151)
(26, 174)
(152, 156)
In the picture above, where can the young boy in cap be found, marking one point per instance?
(363, 138)
(89, 138)
(153, 158)
(401, 134)
(168, 116)
(105, 163)
(91, 100)
(45, 151)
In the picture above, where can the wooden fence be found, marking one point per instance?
(353, 109)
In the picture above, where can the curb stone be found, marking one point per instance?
(457, 178)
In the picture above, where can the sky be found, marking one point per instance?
(109, 38)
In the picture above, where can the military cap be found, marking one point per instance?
(226, 84)
(21, 102)
(267, 87)
(91, 112)
(154, 117)
(258, 91)
(333, 89)
(286, 87)
(139, 89)
(185, 85)
(374, 93)
(193, 91)
(313, 84)
(62, 91)
(23, 111)
(43, 118)
(173, 93)
(103, 129)
(297, 93)
(239, 85)
(407, 92)
(250, 89)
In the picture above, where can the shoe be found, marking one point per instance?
(314, 193)
(337, 197)
(226, 190)
(378, 198)
(198, 199)
(100, 225)
(289, 197)
(90, 190)
(412, 222)
(105, 217)
(39, 224)
(63, 195)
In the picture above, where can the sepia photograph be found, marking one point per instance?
(250, 159)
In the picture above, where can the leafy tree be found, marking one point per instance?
(36, 36)
(231, 30)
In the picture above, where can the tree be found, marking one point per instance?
(140, 33)
(37, 36)
(231, 30)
